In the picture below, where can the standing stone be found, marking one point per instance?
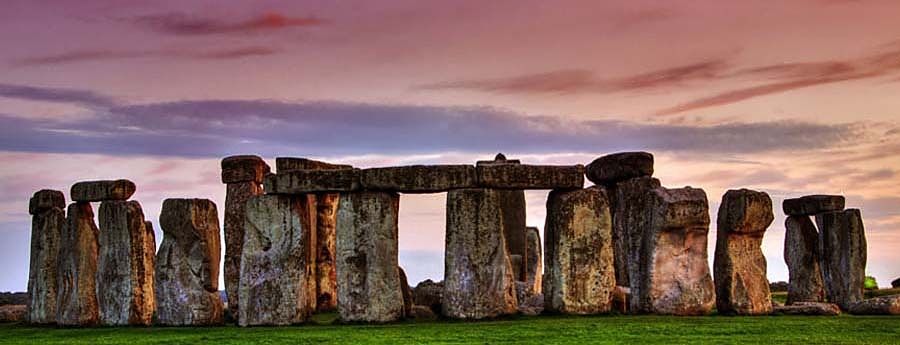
(367, 262)
(478, 277)
(512, 205)
(47, 222)
(125, 270)
(406, 292)
(740, 267)
(278, 266)
(187, 267)
(843, 242)
(617, 167)
(801, 254)
(326, 275)
(78, 253)
(243, 176)
(533, 260)
(675, 277)
(579, 261)
(630, 224)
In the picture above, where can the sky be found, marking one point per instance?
(788, 97)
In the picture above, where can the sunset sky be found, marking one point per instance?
(789, 97)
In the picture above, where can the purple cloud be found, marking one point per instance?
(101, 55)
(85, 98)
(190, 25)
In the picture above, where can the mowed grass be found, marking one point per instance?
(543, 330)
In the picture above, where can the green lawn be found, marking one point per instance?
(521, 330)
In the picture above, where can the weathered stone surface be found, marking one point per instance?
(522, 176)
(533, 260)
(884, 305)
(500, 158)
(422, 313)
(102, 190)
(125, 293)
(579, 276)
(430, 294)
(512, 208)
(13, 313)
(517, 264)
(675, 277)
(277, 283)
(46, 229)
(478, 277)
(843, 242)
(78, 254)
(247, 168)
(530, 302)
(313, 181)
(187, 267)
(620, 297)
(808, 308)
(326, 274)
(286, 164)
(739, 265)
(367, 270)
(419, 178)
(236, 196)
(406, 292)
(46, 199)
(628, 202)
(801, 254)
(812, 204)
(617, 167)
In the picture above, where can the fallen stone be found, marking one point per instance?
(236, 196)
(617, 167)
(808, 308)
(522, 176)
(801, 254)
(628, 206)
(125, 292)
(844, 255)
(530, 303)
(236, 169)
(287, 164)
(419, 178)
(407, 293)
(478, 276)
(422, 313)
(313, 181)
(533, 260)
(739, 265)
(430, 294)
(13, 313)
(47, 226)
(675, 277)
(77, 278)
(107, 190)
(326, 274)
(579, 276)
(187, 269)
(884, 305)
(812, 204)
(277, 283)
(367, 263)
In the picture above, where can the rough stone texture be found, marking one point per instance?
(675, 277)
(236, 196)
(312, 181)
(522, 176)
(801, 254)
(277, 283)
(237, 169)
(843, 242)
(419, 178)
(46, 199)
(512, 208)
(125, 269)
(620, 297)
(533, 260)
(422, 313)
(500, 158)
(517, 264)
(78, 253)
(740, 267)
(46, 228)
(187, 267)
(808, 308)
(579, 276)
(430, 294)
(617, 167)
(530, 303)
(326, 275)
(286, 164)
(812, 204)
(102, 190)
(478, 276)
(884, 305)
(369, 288)
(13, 313)
(628, 200)
(407, 293)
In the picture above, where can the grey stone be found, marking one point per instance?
(422, 313)
(46, 199)
(628, 205)
(313, 181)
(533, 260)
(478, 277)
(106, 190)
(801, 254)
(13, 313)
(579, 276)
(406, 291)
(512, 208)
(236, 196)
(843, 241)
(236, 169)
(419, 178)
(500, 158)
(125, 293)
(287, 164)
(808, 308)
(78, 254)
(812, 204)
(430, 294)
(522, 176)
(531, 303)
(47, 225)
(617, 167)
(884, 305)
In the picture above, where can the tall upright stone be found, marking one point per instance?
(533, 260)
(739, 265)
(125, 293)
(802, 256)
(512, 204)
(47, 222)
(478, 278)
(579, 276)
(843, 241)
(77, 276)
(367, 261)
(675, 277)
(187, 266)
(243, 176)
(278, 261)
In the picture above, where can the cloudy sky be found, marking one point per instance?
(789, 97)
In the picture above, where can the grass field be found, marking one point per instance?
(520, 330)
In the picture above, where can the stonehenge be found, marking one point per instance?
(77, 276)
(802, 256)
(533, 261)
(843, 254)
(47, 222)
